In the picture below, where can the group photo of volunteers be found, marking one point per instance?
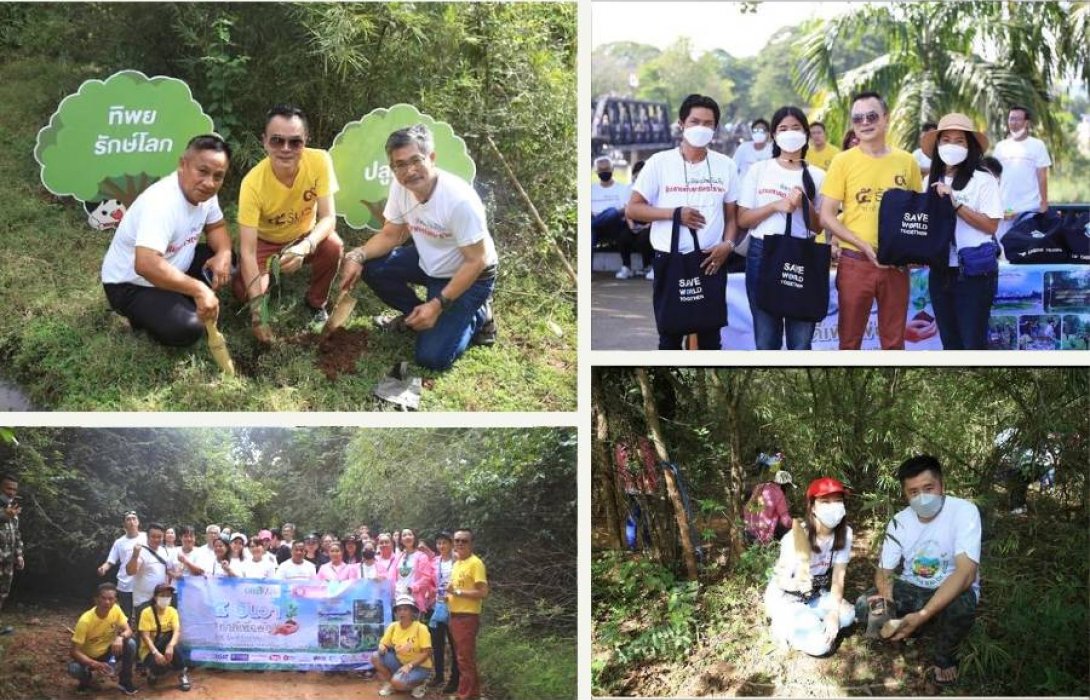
(325, 231)
(948, 218)
(797, 550)
(161, 562)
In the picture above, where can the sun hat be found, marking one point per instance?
(264, 535)
(406, 600)
(955, 121)
(824, 486)
(239, 536)
(784, 478)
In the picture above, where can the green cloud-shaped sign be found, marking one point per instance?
(112, 138)
(359, 159)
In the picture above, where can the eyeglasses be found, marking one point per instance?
(294, 143)
(869, 117)
(402, 166)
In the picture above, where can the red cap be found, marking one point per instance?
(824, 486)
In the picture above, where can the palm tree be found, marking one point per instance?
(978, 58)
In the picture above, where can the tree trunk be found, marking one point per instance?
(606, 481)
(651, 412)
(729, 399)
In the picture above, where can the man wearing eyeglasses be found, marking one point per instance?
(285, 209)
(453, 256)
(121, 553)
(858, 178)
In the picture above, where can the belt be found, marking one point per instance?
(854, 254)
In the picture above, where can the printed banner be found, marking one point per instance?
(263, 624)
(1037, 307)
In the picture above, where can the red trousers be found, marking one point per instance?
(323, 263)
(858, 284)
(463, 628)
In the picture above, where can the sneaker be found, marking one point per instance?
(7, 629)
(183, 680)
(650, 273)
(420, 691)
(317, 322)
(486, 334)
(391, 323)
(127, 689)
(386, 690)
(451, 688)
(624, 273)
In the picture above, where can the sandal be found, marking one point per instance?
(932, 677)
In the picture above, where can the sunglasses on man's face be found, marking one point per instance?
(869, 117)
(294, 143)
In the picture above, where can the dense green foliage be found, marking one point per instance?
(857, 425)
(498, 71)
(514, 488)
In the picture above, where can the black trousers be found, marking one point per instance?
(170, 318)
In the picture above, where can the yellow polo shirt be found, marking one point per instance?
(466, 574)
(282, 214)
(823, 157)
(94, 635)
(858, 181)
(168, 620)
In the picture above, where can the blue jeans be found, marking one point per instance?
(413, 678)
(962, 306)
(392, 278)
(768, 330)
(125, 664)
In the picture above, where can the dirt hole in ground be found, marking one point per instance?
(338, 352)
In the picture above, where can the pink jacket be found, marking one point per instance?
(766, 507)
(421, 580)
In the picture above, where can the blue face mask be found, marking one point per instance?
(927, 505)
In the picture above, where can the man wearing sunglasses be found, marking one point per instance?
(452, 256)
(857, 179)
(285, 209)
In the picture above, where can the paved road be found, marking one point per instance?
(621, 314)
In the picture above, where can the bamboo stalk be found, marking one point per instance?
(533, 211)
(343, 309)
(218, 347)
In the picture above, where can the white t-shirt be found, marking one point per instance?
(923, 160)
(602, 198)
(200, 556)
(256, 568)
(981, 193)
(162, 219)
(769, 182)
(150, 573)
(747, 154)
(1018, 186)
(820, 562)
(290, 571)
(928, 550)
(453, 217)
(121, 553)
(669, 181)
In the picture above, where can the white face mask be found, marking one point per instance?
(699, 136)
(926, 505)
(790, 141)
(1018, 134)
(830, 514)
(760, 136)
(162, 602)
(953, 154)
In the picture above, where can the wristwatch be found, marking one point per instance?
(444, 303)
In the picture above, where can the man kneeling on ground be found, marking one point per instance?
(403, 660)
(155, 273)
(102, 638)
(452, 256)
(160, 629)
(936, 541)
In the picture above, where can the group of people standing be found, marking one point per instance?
(434, 235)
(789, 164)
(437, 597)
(934, 542)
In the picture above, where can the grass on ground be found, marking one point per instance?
(61, 342)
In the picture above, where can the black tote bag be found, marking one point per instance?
(1036, 240)
(687, 299)
(794, 281)
(914, 228)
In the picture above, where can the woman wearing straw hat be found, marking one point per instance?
(963, 287)
(805, 598)
(403, 660)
